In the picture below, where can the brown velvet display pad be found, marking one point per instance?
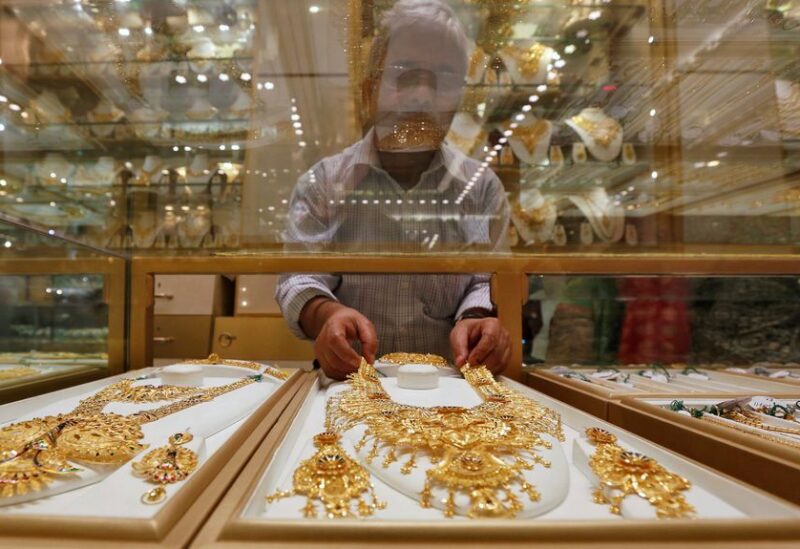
(179, 517)
(228, 527)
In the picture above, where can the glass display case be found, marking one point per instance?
(62, 312)
(614, 126)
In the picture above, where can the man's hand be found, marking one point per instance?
(481, 341)
(333, 327)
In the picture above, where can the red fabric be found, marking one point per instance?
(656, 325)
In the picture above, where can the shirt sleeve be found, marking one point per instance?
(295, 290)
(493, 209)
(308, 227)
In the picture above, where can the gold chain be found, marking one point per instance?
(751, 430)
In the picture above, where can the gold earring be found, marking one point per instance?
(624, 473)
(166, 465)
(334, 478)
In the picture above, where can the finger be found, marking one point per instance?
(484, 347)
(459, 340)
(369, 339)
(346, 357)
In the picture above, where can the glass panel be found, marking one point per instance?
(641, 320)
(61, 312)
(618, 126)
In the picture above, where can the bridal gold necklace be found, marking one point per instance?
(528, 60)
(603, 132)
(479, 452)
(35, 452)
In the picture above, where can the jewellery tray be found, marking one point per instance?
(769, 465)
(240, 520)
(791, 380)
(50, 374)
(168, 524)
(596, 397)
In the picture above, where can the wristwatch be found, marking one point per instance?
(477, 312)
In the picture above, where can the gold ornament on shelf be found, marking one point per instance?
(20, 371)
(603, 132)
(479, 452)
(333, 478)
(624, 473)
(528, 60)
(166, 465)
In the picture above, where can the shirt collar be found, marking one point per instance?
(366, 156)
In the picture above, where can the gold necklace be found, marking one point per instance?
(625, 473)
(748, 419)
(215, 360)
(36, 451)
(602, 132)
(529, 60)
(476, 451)
(531, 135)
(467, 145)
(755, 431)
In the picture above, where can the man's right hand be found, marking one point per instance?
(334, 327)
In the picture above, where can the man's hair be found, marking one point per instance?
(434, 15)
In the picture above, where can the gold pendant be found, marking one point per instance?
(623, 473)
(333, 478)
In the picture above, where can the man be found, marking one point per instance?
(401, 189)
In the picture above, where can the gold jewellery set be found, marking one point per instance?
(623, 473)
(35, 452)
(478, 452)
(602, 132)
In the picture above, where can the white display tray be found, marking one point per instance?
(114, 503)
(714, 496)
(717, 383)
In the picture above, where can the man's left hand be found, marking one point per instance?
(481, 341)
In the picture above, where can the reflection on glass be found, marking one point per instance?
(612, 126)
(662, 320)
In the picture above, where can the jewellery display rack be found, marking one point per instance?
(726, 510)
(593, 389)
(219, 434)
(762, 457)
(63, 314)
(97, 90)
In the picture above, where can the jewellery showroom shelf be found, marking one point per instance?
(771, 466)
(596, 396)
(172, 523)
(239, 520)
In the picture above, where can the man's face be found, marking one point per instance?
(419, 90)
